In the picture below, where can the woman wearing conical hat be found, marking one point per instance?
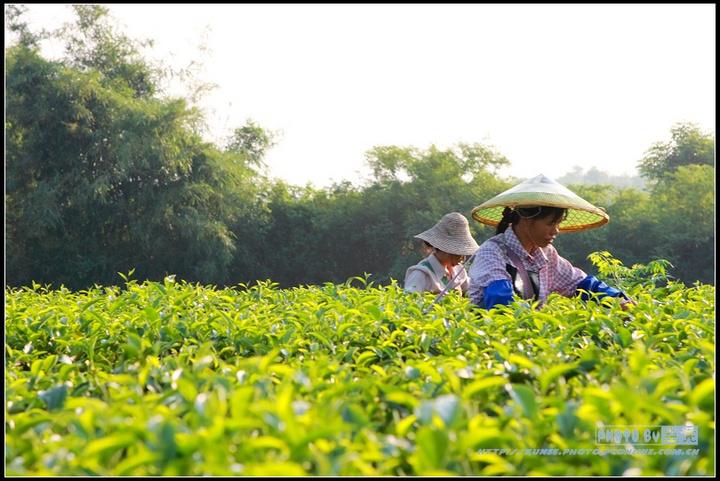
(520, 259)
(449, 242)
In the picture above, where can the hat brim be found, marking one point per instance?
(581, 216)
(462, 247)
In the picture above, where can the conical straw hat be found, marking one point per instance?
(452, 235)
(543, 191)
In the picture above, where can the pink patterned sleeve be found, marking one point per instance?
(564, 277)
(488, 266)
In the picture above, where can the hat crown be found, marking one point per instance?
(542, 191)
(540, 183)
(453, 224)
(451, 234)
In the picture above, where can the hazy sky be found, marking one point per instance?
(549, 86)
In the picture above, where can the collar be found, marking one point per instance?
(538, 258)
(438, 268)
(436, 265)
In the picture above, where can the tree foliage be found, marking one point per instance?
(681, 213)
(104, 174)
(688, 146)
(16, 24)
(93, 45)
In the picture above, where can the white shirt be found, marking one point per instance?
(430, 275)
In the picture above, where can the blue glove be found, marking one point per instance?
(497, 292)
(593, 284)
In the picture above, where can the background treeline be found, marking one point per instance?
(105, 173)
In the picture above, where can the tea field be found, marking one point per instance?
(171, 378)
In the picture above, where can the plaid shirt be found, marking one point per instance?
(556, 273)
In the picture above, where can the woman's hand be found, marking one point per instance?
(627, 303)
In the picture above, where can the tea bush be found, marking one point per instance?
(170, 378)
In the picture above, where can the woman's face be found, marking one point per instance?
(448, 259)
(542, 232)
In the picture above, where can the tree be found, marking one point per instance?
(688, 146)
(93, 45)
(393, 163)
(682, 202)
(251, 142)
(103, 176)
(682, 209)
(16, 25)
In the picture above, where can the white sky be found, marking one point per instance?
(549, 86)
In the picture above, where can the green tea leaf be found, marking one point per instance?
(525, 397)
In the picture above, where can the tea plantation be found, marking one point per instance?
(170, 378)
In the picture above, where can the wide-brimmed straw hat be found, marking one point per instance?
(543, 191)
(452, 235)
